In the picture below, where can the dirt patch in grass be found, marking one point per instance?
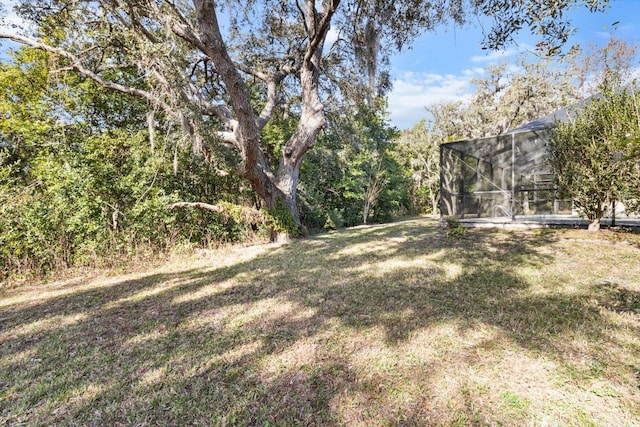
(393, 324)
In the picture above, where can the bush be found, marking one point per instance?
(455, 229)
(334, 220)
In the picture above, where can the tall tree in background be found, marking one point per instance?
(419, 149)
(608, 66)
(370, 172)
(531, 91)
(507, 96)
(198, 72)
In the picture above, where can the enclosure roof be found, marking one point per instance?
(545, 122)
(530, 139)
(529, 142)
(542, 123)
(550, 120)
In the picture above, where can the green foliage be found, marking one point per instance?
(595, 155)
(418, 150)
(276, 133)
(334, 220)
(354, 174)
(92, 190)
(455, 229)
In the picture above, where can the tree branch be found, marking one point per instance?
(80, 68)
(197, 205)
(272, 81)
(318, 33)
(253, 165)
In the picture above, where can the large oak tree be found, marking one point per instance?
(221, 69)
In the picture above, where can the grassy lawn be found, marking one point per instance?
(394, 324)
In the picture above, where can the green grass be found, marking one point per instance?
(397, 324)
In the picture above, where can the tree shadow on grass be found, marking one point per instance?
(284, 338)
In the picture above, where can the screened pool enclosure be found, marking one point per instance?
(501, 176)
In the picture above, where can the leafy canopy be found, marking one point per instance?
(595, 156)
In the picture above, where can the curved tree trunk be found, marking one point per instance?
(312, 118)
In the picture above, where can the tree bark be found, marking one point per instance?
(435, 201)
(312, 118)
(365, 211)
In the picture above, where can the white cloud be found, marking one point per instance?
(332, 36)
(413, 91)
(473, 72)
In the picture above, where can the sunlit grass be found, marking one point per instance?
(395, 324)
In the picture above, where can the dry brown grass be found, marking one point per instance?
(384, 325)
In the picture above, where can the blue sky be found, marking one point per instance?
(440, 65)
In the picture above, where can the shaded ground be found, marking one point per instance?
(385, 325)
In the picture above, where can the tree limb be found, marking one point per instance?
(80, 68)
(319, 30)
(197, 205)
(221, 112)
(254, 166)
(272, 81)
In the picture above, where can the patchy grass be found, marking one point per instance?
(394, 324)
